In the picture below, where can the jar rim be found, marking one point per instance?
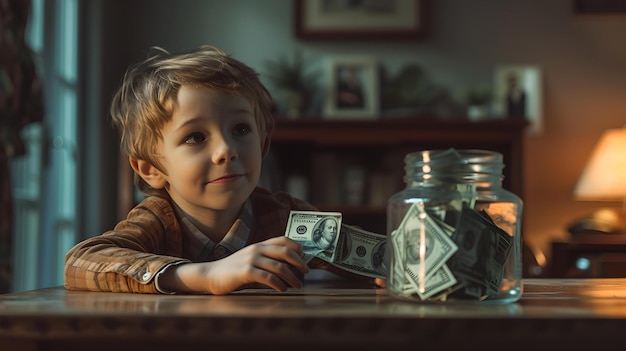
(460, 155)
(464, 165)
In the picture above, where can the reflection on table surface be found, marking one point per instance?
(552, 314)
(542, 298)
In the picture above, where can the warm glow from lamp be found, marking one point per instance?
(604, 177)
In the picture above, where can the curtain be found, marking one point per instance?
(21, 103)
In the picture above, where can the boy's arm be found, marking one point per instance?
(276, 263)
(127, 258)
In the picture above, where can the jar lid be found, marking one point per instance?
(451, 165)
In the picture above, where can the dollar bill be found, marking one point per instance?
(419, 253)
(427, 247)
(317, 232)
(397, 279)
(362, 252)
(449, 212)
(441, 280)
(480, 263)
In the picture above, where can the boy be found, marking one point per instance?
(195, 127)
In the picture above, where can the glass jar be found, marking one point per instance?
(455, 233)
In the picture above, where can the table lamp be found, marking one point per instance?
(604, 176)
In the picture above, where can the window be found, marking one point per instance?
(45, 178)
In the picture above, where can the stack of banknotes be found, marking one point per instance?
(353, 249)
(433, 256)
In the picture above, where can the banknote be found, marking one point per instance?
(440, 280)
(448, 212)
(479, 264)
(317, 232)
(420, 249)
(362, 252)
(397, 279)
(427, 246)
(403, 279)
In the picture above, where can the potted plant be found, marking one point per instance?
(478, 100)
(291, 78)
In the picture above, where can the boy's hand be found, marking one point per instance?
(276, 263)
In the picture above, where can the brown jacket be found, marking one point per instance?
(127, 258)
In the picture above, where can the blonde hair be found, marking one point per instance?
(145, 101)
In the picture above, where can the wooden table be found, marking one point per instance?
(561, 313)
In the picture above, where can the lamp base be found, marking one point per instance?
(602, 221)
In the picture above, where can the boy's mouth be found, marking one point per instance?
(229, 178)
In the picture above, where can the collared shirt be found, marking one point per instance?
(200, 248)
(152, 237)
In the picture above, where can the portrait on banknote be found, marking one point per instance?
(378, 258)
(325, 233)
(317, 232)
(414, 245)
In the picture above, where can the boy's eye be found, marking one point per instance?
(241, 129)
(195, 138)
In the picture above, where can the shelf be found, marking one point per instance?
(324, 150)
(396, 131)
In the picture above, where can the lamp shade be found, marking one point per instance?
(604, 176)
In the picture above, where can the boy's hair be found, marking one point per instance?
(145, 101)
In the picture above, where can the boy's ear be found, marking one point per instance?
(148, 173)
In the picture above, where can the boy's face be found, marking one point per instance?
(211, 151)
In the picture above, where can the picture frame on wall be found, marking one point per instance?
(399, 20)
(352, 88)
(518, 93)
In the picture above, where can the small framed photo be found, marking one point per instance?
(518, 93)
(352, 90)
(361, 20)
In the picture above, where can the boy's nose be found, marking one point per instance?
(223, 151)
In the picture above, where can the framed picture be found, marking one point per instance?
(361, 20)
(518, 93)
(352, 89)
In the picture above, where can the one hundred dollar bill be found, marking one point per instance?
(317, 232)
(397, 279)
(403, 279)
(441, 280)
(362, 252)
(421, 249)
(427, 247)
(479, 264)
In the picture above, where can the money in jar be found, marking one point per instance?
(454, 234)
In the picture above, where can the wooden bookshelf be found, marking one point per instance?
(335, 156)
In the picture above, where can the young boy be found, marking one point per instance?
(195, 127)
